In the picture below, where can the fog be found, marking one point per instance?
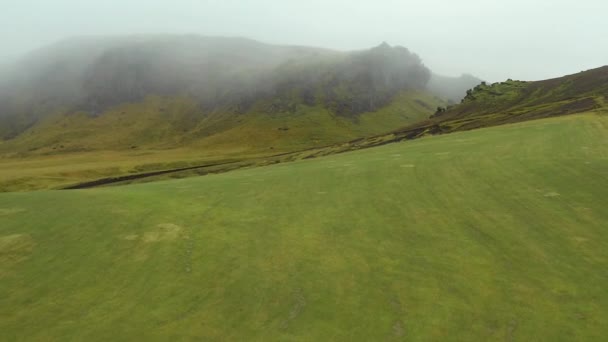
(494, 40)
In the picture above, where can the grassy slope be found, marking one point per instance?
(516, 101)
(493, 234)
(162, 133)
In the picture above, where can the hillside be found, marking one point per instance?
(173, 122)
(510, 102)
(232, 76)
(488, 235)
(269, 135)
(514, 101)
(95, 107)
(67, 149)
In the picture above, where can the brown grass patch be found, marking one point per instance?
(163, 232)
(10, 211)
(14, 249)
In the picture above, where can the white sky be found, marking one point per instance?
(495, 40)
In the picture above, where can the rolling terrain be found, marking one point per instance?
(493, 234)
(484, 106)
(191, 85)
(308, 132)
(349, 213)
(78, 148)
(95, 107)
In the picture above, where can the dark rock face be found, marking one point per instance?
(360, 82)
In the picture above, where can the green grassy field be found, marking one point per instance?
(493, 234)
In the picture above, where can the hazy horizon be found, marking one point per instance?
(491, 40)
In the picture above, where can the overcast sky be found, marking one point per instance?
(495, 40)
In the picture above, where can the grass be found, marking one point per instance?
(492, 234)
(53, 171)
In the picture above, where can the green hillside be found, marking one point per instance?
(95, 107)
(514, 101)
(232, 76)
(484, 106)
(488, 235)
(167, 132)
(173, 122)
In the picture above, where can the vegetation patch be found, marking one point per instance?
(10, 211)
(163, 232)
(14, 248)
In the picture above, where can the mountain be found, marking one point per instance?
(452, 88)
(278, 100)
(501, 103)
(513, 101)
(95, 73)
(188, 88)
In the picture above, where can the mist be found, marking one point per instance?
(493, 40)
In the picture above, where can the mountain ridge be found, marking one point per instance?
(231, 75)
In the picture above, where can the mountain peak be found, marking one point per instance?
(384, 45)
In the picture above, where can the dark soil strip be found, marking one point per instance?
(273, 159)
(111, 180)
